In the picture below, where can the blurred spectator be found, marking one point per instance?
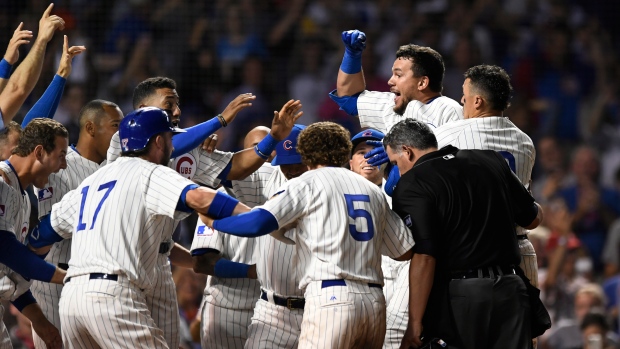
(596, 333)
(309, 83)
(550, 170)
(68, 111)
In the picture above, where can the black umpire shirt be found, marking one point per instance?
(462, 207)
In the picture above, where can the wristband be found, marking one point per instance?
(229, 269)
(265, 147)
(351, 63)
(24, 300)
(5, 69)
(222, 120)
(222, 206)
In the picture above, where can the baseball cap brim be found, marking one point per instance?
(176, 130)
(286, 160)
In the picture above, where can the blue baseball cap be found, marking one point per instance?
(137, 128)
(286, 150)
(366, 135)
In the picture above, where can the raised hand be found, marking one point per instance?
(64, 68)
(354, 42)
(210, 143)
(377, 156)
(241, 102)
(284, 120)
(48, 24)
(20, 37)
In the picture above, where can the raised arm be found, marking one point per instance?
(350, 76)
(25, 77)
(11, 55)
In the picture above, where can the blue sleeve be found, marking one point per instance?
(222, 206)
(346, 103)
(257, 222)
(24, 300)
(43, 234)
(229, 269)
(182, 204)
(201, 251)
(392, 180)
(19, 258)
(46, 106)
(195, 135)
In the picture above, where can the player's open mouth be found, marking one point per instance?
(397, 96)
(369, 168)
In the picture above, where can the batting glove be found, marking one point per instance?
(354, 42)
(377, 156)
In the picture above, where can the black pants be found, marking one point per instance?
(490, 313)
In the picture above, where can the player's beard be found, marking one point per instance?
(166, 156)
(400, 109)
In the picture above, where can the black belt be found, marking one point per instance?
(290, 303)
(522, 237)
(103, 276)
(486, 272)
(340, 282)
(64, 266)
(165, 246)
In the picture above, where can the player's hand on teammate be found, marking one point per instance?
(377, 156)
(64, 68)
(208, 221)
(20, 37)
(48, 333)
(252, 272)
(354, 42)
(210, 143)
(48, 24)
(241, 102)
(284, 120)
(412, 337)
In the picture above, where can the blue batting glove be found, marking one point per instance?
(377, 156)
(354, 42)
(392, 180)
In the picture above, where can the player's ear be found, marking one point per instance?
(38, 152)
(423, 83)
(90, 128)
(479, 101)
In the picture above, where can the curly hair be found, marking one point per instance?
(40, 131)
(493, 83)
(324, 143)
(425, 62)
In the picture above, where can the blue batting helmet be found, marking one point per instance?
(366, 135)
(286, 150)
(137, 128)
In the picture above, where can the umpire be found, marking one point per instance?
(461, 207)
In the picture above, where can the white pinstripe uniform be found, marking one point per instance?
(14, 217)
(375, 110)
(60, 183)
(274, 326)
(500, 134)
(203, 168)
(344, 225)
(121, 240)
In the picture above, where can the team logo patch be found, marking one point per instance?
(185, 165)
(367, 133)
(24, 232)
(203, 230)
(287, 145)
(448, 157)
(408, 221)
(2, 209)
(46, 193)
(124, 143)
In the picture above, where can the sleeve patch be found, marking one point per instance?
(45, 194)
(408, 221)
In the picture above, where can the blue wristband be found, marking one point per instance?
(24, 300)
(5, 69)
(229, 269)
(222, 206)
(351, 63)
(266, 146)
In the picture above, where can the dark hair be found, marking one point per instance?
(40, 131)
(412, 133)
(425, 62)
(94, 111)
(12, 126)
(324, 143)
(147, 88)
(595, 318)
(493, 83)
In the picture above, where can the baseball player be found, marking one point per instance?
(344, 224)
(229, 297)
(40, 151)
(486, 94)
(395, 273)
(415, 87)
(98, 120)
(200, 166)
(115, 247)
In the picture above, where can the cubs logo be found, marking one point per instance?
(185, 165)
(367, 133)
(124, 143)
(287, 145)
(24, 232)
(46, 193)
(203, 230)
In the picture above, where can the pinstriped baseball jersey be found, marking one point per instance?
(493, 133)
(197, 165)
(376, 110)
(14, 218)
(251, 190)
(344, 225)
(226, 292)
(126, 210)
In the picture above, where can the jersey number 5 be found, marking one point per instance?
(108, 187)
(359, 213)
